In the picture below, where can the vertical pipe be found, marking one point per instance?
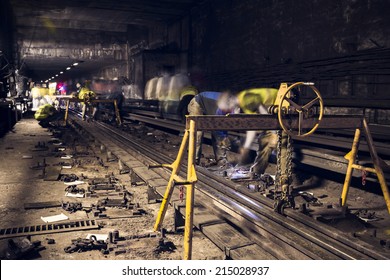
(190, 194)
(351, 160)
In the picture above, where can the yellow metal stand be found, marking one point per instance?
(255, 122)
(189, 183)
(66, 111)
(379, 165)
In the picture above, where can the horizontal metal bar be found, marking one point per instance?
(360, 167)
(240, 122)
(341, 122)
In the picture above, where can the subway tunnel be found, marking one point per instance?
(145, 63)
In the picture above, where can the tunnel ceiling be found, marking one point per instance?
(35, 19)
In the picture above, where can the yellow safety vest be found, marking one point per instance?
(250, 99)
(86, 93)
(44, 111)
(188, 90)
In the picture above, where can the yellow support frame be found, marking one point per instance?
(190, 139)
(378, 165)
(250, 122)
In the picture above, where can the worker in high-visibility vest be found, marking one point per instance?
(186, 95)
(45, 114)
(257, 101)
(213, 103)
(85, 94)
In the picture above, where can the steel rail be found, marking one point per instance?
(292, 250)
(255, 210)
(232, 193)
(315, 139)
(314, 151)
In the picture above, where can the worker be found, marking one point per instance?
(120, 99)
(45, 114)
(86, 95)
(186, 95)
(36, 96)
(213, 103)
(257, 101)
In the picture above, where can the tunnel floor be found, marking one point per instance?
(24, 191)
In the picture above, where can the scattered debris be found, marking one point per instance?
(55, 218)
(365, 233)
(123, 169)
(72, 207)
(112, 202)
(68, 178)
(77, 182)
(86, 244)
(50, 241)
(111, 157)
(99, 236)
(367, 216)
(74, 191)
(27, 157)
(56, 143)
(262, 184)
(22, 249)
(310, 198)
(164, 246)
(63, 164)
(66, 157)
(209, 162)
(385, 243)
(240, 174)
(139, 236)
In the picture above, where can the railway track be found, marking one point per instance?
(241, 223)
(322, 151)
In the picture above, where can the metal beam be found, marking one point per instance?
(242, 122)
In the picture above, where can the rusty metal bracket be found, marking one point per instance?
(243, 122)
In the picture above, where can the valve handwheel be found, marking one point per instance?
(306, 122)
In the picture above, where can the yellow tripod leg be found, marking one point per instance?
(66, 111)
(377, 165)
(170, 186)
(118, 116)
(190, 190)
(351, 157)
